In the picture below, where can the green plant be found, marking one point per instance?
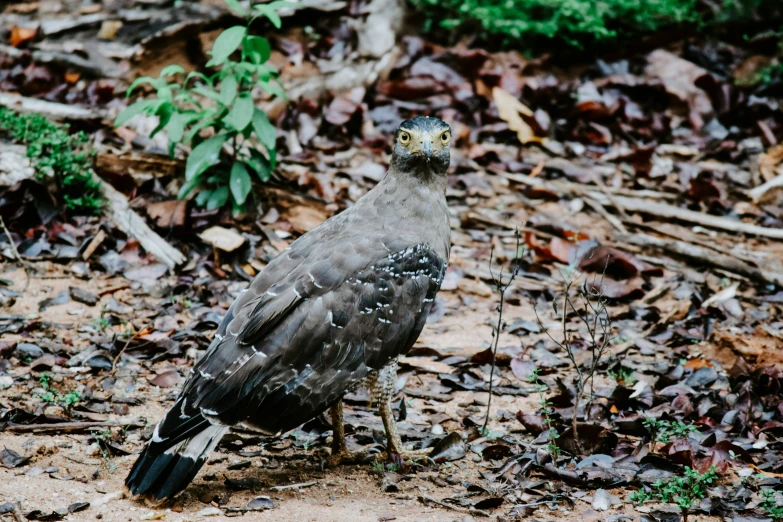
(66, 400)
(685, 491)
(769, 504)
(56, 154)
(622, 375)
(221, 105)
(666, 431)
(554, 450)
(573, 22)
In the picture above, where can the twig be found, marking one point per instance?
(757, 193)
(501, 289)
(596, 320)
(472, 511)
(15, 252)
(616, 223)
(18, 515)
(67, 427)
(294, 486)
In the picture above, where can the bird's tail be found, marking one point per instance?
(178, 449)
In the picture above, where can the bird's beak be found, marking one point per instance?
(426, 147)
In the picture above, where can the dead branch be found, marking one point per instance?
(638, 203)
(757, 193)
(705, 255)
(473, 511)
(56, 111)
(69, 427)
(127, 220)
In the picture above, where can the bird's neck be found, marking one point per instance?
(411, 206)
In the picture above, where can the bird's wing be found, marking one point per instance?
(287, 350)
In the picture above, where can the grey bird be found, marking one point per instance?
(337, 308)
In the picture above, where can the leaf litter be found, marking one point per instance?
(585, 159)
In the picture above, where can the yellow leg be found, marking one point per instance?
(393, 441)
(340, 453)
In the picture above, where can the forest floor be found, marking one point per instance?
(646, 188)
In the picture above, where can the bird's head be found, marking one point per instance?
(421, 146)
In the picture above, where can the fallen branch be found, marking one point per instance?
(127, 220)
(472, 511)
(757, 193)
(56, 111)
(669, 211)
(705, 255)
(69, 427)
(637, 203)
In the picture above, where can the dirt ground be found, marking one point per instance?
(346, 494)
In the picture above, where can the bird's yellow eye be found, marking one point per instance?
(445, 137)
(405, 138)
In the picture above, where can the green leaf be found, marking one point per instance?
(273, 88)
(266, 132)
(228, 90)
(260, 165)
(218, 198)
(241, 113)
(226, 43)
(177, 126)
(257, 48)
(239, 183)
(269, 11)
(206, 120)
(236, 7)
(187, 188)
(207, 93)
(203, 156)
(202, 197)
(171, 70)
(164, 112)
(139, 81)
(140, 107)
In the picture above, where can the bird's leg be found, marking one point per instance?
(394, 446)
(383, 389)
(340, 453)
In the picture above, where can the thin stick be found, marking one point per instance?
(501, 288)
(472, 511)
(66, 427)
(15, 252)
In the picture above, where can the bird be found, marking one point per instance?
(335, 309)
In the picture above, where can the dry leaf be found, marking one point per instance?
(511, 110)
(769, 161)
(19, 35)
(223, 239)
(108, 30)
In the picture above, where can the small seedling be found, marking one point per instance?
(685, 491)
(769, 504)
(666, 431)
(545, 405)
(66, 400)
(219, 166)
(622, 375)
